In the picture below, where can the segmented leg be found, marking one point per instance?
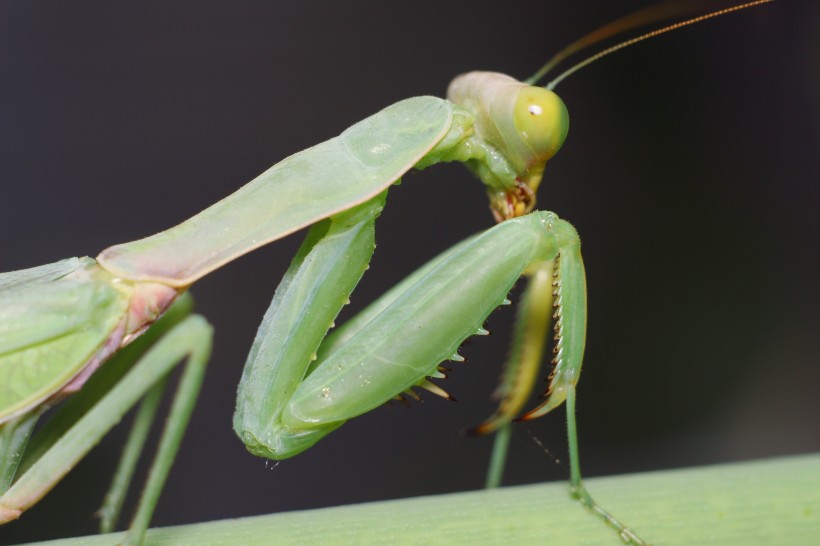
(557, 290)
(298, 387)
(14, 437)
(577, 488)
(521, 370)
(111, 507)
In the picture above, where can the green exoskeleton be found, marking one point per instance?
(108, 330)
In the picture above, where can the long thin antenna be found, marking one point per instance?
(628, 22)
(644, 16)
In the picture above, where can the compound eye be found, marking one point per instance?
(542, 121)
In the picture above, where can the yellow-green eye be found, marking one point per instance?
(542, 120)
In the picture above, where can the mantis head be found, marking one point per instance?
(519, 127)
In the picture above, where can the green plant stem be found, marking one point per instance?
(772, 502)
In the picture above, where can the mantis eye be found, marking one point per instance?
(542, 121)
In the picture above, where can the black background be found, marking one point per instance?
(690, 172)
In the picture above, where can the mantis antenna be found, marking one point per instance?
(641, 17)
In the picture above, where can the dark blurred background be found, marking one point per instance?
(690, 171)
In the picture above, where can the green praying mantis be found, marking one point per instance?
(84, 310)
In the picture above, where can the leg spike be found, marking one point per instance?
(413, 394)
(435, 389)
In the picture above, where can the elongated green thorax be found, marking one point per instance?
(519, 128)
(297, 192)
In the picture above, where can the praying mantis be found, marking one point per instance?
(462, 397)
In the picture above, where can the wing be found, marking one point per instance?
(48, 272)
(51, 326)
